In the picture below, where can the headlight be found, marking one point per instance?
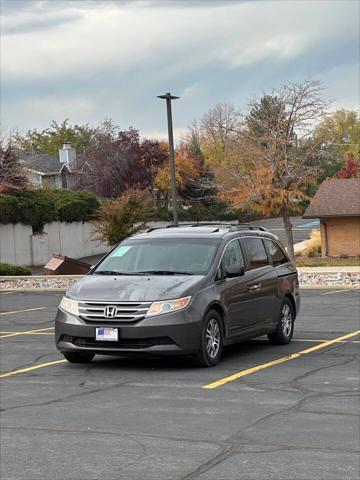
(158, 308)
(70, 306)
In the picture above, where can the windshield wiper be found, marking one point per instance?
(111, 272)
(165, 272)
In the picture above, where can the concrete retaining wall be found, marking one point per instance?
(18, 244)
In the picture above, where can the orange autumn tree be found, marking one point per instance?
(186, 169)
(272, 160)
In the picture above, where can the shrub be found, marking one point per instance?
(314, 244)
(37, 207)
(9, 209)
(75, 206)
(6, 269)
(122, 217)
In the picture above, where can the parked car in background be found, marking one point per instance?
(181, 290)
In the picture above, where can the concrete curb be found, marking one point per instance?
(60, 290)
(39, 277)
(319, 270)
(309, 277)
(325, 270)
(33, 290)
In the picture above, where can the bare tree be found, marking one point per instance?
(12, 175)
(274, 163)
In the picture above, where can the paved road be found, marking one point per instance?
(143, 419)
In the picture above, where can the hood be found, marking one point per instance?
(134, 288)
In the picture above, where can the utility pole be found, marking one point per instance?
(168, 97)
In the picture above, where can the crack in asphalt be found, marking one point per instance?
(237, 438)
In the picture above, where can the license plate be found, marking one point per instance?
(107, 334)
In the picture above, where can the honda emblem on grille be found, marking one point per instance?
(110, 312)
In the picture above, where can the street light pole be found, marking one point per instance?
(168, 97)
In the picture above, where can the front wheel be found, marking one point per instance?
(75, 357)
(285, 328)
(211, 340)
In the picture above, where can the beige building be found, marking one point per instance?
(337, 205)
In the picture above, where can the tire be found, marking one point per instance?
(211, 340)
(75, 357)
(285, 328)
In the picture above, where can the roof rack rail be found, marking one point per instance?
(247, 226)
(233, 227)
(205, 224)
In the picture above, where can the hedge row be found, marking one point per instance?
(7, 269)
(37, 207)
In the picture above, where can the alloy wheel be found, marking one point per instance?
(213, 338)
(286, 320)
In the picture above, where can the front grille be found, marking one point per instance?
(129, 343)
(123, 311)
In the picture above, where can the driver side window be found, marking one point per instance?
(232, 256)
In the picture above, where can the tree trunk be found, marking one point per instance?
(289, 237)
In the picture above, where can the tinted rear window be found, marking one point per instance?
(277, 255)
(256, 252)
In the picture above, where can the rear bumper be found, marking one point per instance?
(170, 334)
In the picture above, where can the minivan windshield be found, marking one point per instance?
(165, 256)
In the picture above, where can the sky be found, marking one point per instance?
(89, 60)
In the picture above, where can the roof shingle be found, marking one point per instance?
(46, 164)
(336, 197)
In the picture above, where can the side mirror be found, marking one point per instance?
(235, 270)
(91, 268)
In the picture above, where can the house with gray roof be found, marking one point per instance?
(57, 171)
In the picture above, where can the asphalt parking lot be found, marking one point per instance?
(266, 412)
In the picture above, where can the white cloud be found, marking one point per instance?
(45, 109)
(58, 106)
(125, 36)
(162, 135)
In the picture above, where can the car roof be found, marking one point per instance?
(210, 230)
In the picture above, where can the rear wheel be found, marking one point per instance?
(211, 340)
(285, 328)
(76, 357)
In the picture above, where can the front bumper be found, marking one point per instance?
(168, 334)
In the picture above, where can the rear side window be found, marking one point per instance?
(256, 252)
(277, 255)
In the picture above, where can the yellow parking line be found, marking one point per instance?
(278, 361)
(29, 369)
(318, 340)
(26, 332)
(39, 333)
(25, 310)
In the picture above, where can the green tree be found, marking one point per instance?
(52, 138)
(338, 134)
(266, 116)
